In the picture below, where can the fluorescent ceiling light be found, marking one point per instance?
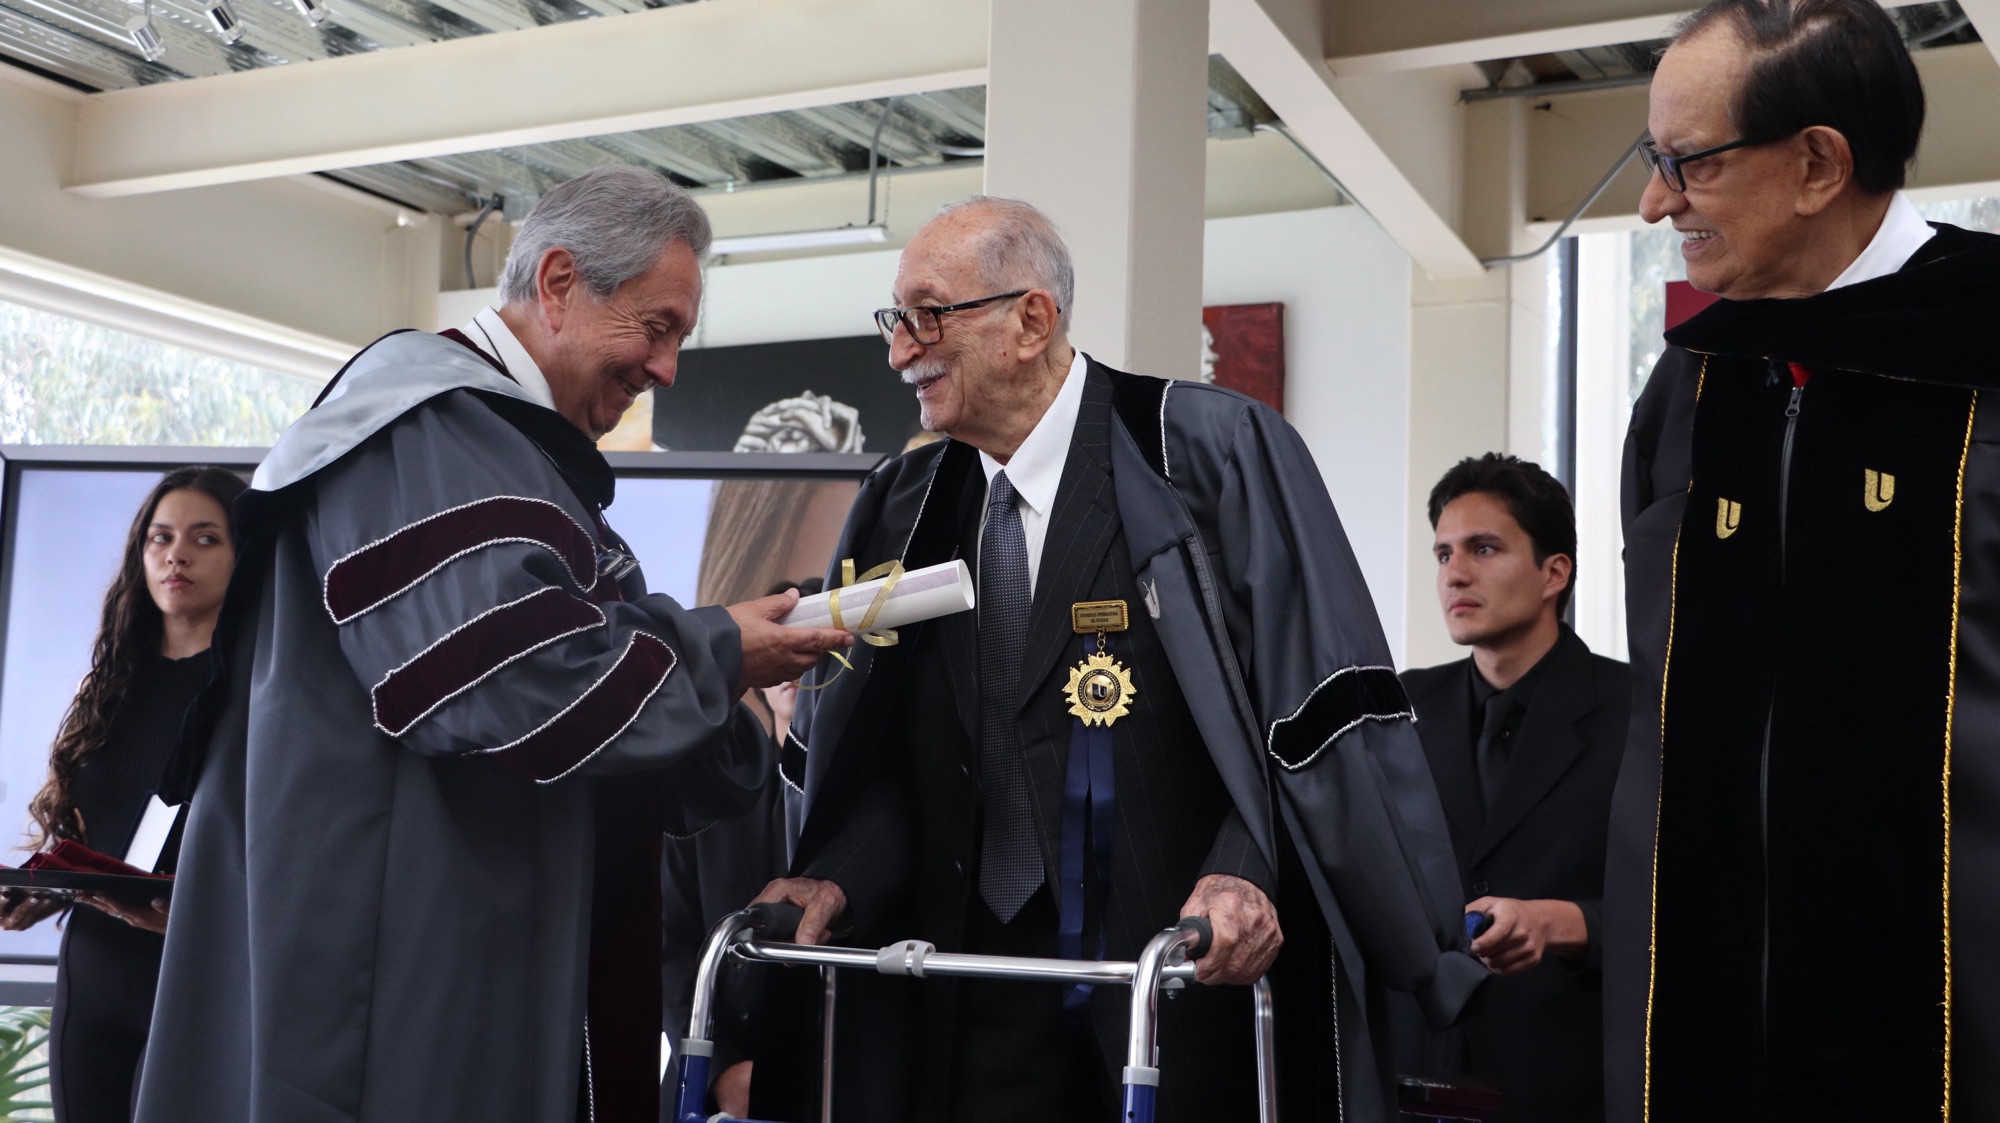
(801, 240)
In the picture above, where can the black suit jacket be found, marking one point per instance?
(907, 856)
(1536, 1037)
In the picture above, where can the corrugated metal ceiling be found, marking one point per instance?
(88, 44)
(1923, 25)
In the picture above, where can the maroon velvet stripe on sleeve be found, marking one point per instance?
(593, 721)
(474, 650)
(383, 570)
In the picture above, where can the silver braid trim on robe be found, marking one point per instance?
(527, 643)
(1166, 472)
(583, 570)
(1345, 715)
(792, 758)
(672, 661)
(925, 502)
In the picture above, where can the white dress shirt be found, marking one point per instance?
(1902, 233)
(490, 333)
(1036, 467)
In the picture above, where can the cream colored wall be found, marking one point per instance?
(1458, 408)
(278, 250)
(1345, 285)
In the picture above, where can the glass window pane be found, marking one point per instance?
(64, 381)
(69, 527)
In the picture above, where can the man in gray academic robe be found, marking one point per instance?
(419, 878)
(1260, 768)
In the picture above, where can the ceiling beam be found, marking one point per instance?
(1986, 19)
(1380, 37)
(1394, 143)
(670, 66)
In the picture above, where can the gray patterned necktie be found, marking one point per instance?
(1010, 861)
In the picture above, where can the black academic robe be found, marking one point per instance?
(1802, 895)
(1537, 1037)
(1270, 639)
(704, 876)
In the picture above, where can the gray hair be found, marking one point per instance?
(1022, 246)
(614, 221)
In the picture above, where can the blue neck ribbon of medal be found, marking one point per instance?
(1089, 797)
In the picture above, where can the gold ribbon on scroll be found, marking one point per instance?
(892, 572)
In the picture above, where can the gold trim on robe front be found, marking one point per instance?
(1951, 715)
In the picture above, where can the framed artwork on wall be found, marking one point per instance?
(1243, 349)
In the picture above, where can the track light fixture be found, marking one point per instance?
(140, 28)
(223, 19)
(313, 10)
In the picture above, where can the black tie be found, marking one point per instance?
(1491, 753)
(1010, 861)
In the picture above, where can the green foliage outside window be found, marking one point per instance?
(24, 1063)
(64, 381)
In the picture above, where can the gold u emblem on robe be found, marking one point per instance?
(1878, 489)
(1728, 516)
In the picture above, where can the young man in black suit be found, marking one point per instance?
(1524, 740)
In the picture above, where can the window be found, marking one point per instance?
(691, 519)
(65, 381)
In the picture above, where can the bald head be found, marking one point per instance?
(987, 366)
(1013, 245)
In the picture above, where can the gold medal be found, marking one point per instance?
(1099, 689)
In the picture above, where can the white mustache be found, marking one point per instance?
(923, 369)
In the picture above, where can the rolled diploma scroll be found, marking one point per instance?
(921, 594)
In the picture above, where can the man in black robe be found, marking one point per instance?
(1259, 767)
(1801, 896)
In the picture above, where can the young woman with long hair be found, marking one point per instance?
(149, 662)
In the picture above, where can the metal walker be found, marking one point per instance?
(1164, 964)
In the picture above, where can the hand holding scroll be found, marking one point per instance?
(773, 652)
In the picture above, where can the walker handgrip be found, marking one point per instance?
(1204, 935)
(776, 921)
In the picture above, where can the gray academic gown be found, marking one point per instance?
(396, 857)
(1274, 642)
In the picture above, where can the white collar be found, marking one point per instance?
(490, 333)
(1036, 467)
(1902, 233)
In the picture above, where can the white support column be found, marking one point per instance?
(1603, 409)
(1467, 380)
(1096, 112)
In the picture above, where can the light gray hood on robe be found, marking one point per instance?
(393, 376)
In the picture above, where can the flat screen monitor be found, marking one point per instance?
(710, 528)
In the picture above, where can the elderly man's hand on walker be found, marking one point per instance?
(1245, 924)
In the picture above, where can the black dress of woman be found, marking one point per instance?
(108, 970)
